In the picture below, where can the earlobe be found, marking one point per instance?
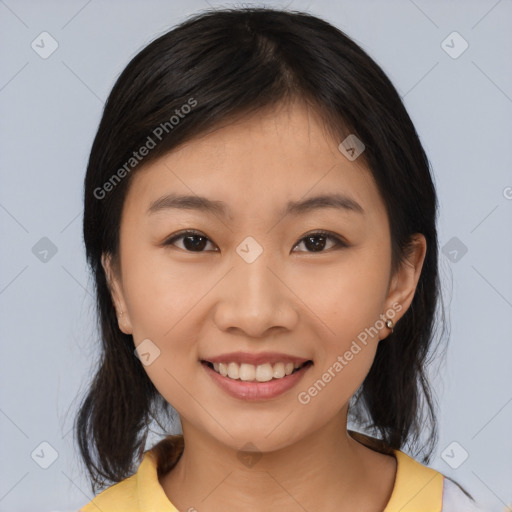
(404, 282)
(114, 285)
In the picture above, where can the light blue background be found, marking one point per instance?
(49, 112)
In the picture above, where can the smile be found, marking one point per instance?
(259, 373)
(256, 382)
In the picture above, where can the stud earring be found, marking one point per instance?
(390, 324)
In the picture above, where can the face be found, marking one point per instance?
(267, 276)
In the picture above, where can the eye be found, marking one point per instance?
(317, 241)
(193, 241)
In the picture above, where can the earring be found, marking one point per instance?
(390, 324)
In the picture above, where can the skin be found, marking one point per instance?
(291, 299)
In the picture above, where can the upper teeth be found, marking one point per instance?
(260, 373)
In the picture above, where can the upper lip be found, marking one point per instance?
(255, 359)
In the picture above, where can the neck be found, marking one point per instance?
(314, 473)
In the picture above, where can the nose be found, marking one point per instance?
(254, 298)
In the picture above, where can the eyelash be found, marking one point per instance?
(338, 242)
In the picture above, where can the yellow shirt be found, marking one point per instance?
(417, 489)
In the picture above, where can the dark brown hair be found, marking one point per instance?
(230, 63)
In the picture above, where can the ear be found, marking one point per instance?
(403, 283)
(115, 287)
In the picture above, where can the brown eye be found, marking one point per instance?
(193, 241)
(317, 241)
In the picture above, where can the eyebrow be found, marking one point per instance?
(203, 204)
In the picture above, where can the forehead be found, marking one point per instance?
(257, 164)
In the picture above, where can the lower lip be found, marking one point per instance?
(256, 390)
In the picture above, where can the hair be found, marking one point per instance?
(228, 64)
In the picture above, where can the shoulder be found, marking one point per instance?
(120, 497)
(417, 483)
(417, 488)
(140, 491)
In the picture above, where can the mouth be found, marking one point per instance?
(256, 375)
(265, 372)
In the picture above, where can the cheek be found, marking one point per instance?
(347, 296)
(159, 294)
(346, 300)
(343, 362)
(161, 302)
